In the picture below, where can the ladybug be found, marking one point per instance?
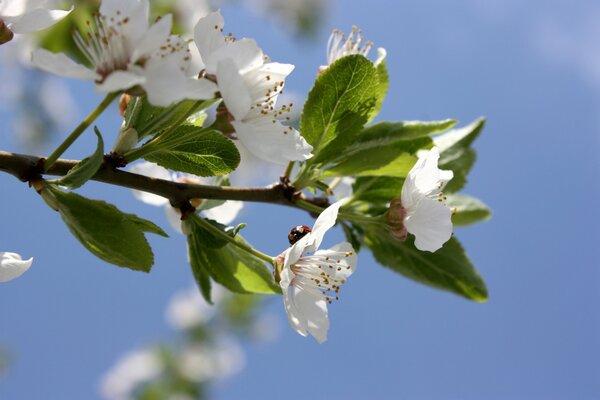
(298, 232)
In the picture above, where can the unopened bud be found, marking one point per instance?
(395, 220)
(6, 35)
(126, 140)
(124, 103)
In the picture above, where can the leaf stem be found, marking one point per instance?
(231, 239)
(79, 130)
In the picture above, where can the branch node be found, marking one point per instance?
(114, 160)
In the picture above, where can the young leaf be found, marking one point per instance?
(339, 104)
(468, 210)
(110, 234)
(85, 169)
(449, 268)
(209, 154)
(456, 153)
(389, 132)
(196, 257)
(384, 84)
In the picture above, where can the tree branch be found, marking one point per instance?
(27, 168)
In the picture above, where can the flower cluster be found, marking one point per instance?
(22, 16)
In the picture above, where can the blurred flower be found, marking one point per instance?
(25, 16)
(224, 213)
(125, 53)
(188, 308)
(422, 207)
(310, 281)
(340, 46)
(130, 371)
(218, 360)
(12, 266)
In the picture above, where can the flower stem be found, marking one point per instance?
(242, 245)
(79, 130)
(288, 170)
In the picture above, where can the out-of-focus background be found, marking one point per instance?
(532, 68)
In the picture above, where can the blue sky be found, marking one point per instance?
(533, 69)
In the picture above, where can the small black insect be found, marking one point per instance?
(297, 233)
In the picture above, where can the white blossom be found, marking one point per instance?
(25, 16)
(425, 213)
(224, 213)
(12, 266)
(126, 53)
(250, 86)
(340, 46)
(311, 278)
(188, 308)
(220, 359)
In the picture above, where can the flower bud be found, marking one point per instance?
(395, 220)
(6, 35)
(123, 103)
(126, 140)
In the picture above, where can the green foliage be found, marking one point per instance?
(224, 262)
(339, 104)
(85, 169)
(468, 210)
(384, 84)
(449, 268)
(456, 153)
(110, 234)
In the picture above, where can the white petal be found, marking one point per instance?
(323, 223)
(208, 36)
(312, 309)
(381, 55)
(431, 223)
(136, 12)
(425, 178)
(245, 53)
(226, 212)
(153, 171)
(60, 64)
(36, 20)
(164, 82)
(265, 83)
(174, 217)
(154, 37)
(12, 266)
(297, 321)
(120, 80)
(268, 139)
(200, 89)
(343, 261)
(233, 89)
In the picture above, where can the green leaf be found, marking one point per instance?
(389, 132)
(197, 258)
(85, 169)
(147, 226)
(209, 154)
(468, 210)
(111, 235)
(338, 105)
(230, 266)
(456, 153)
(449, 268)
(384, 84)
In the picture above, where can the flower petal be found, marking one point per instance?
(174, 217)
(153, 171)
(226, 212)
(135, 12)
(323, 223)
(12, 266)
(297, 321)
(343, 259)
(312, 311)
(60, 64)
(208, 36)
(245, 53)
(431, 223)
(120, 80)
(233, 89)
(268, 139)
(155, 37)
(36, 20)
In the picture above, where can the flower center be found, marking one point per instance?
(340, 46)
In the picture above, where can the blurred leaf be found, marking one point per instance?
(384, 84)
(456, 153)
(468, 210)
(449, 268)
(110, 234)
(338, 105)
(85, 169)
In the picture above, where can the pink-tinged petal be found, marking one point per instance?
(60, 64)
(120, 80)
(226, 212)
(154, 38)
(312, 310)
(324, 222)
(233, 89)
(174, 217)
(153, 171)
(267, 138)
(12, 266)
(297, 321)
(208, 37)
(431, 223)
(36, 20)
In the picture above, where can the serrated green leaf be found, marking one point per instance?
(147, 226)
(209, 154)
(230, 266)
(449, 268)
(338, 105)
(456, 153)
(467, 209)
(108, 233)
(85, 169)
(388, 132)
(384, 84)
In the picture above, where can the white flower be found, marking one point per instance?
(12, 266)
(309, 282)
(23, 16)
(224, 213)
(126, 54)
(340, 46)
(425, 214)
(223, 358)
(188, 308)
(250, 87)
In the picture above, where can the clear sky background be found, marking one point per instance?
(533, 69)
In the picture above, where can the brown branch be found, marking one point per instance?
(27, 168)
